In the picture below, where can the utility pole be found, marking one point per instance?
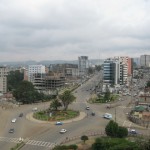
(115, 114)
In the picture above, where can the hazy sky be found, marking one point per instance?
(66, 29)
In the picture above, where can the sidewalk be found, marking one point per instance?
(80, 117)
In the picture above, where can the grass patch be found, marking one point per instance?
(18, 146)
(101, 99)
(59, 115)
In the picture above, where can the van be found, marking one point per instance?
(107, 116)
(13, 120)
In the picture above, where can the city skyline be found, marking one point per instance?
(63, 30)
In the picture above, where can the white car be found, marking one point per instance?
(107, 116)
(13, 120)
(132, 131)
(87, 108)
(63, 131)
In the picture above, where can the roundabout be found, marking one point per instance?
(81, 116)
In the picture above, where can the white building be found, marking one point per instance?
(83, 65)
(35, 70)
(145, 60)
(3, 79)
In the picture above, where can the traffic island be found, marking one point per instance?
(80, 116)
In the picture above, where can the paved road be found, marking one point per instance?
(46, 135)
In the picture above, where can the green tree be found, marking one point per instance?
(13, 79)
(114, 144)
(98, 67)
(111, 129)
(84, 138)
(107, 94)
(97, 145)
(55, 104)
(26, 93)
(148, 84)
(90, 70)
(67, 98)
(122, 132)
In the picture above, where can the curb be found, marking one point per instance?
(80, 117)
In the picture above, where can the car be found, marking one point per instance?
(35, 109)
(63, 131)
(133, 131)
(93, 113)
(21, 115)
(13, 120)
(58, 123)
(87, 108)
(11, 130)
(107, 116)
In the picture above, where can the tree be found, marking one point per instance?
(148, 84)
(13, 79)
(26, 93)
(98, 67)
(97, 145)
(107, 94)
(90, 70)
(114, 144)
(122, 132)
(55, 104)
(111, 129)
(84, 138)
(67, 98)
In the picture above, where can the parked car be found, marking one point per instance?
(11, 130)
(21, 115)
(13, 120)
(63, 131)
(58, 123)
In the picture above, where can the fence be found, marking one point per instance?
(139, 121)
(94, 133)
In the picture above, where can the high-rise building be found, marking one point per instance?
(111, 71)
(117, 70)
(83, 65)
(145, 60)
(34, 70)
(3, 79)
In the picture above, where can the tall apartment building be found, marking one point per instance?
(83, 65)
(3, 79)
(117, 70)
(145, 60)
(34, 70)
(111, 69)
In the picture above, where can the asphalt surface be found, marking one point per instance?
(45, 136)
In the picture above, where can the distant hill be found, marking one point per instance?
(47, 62)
